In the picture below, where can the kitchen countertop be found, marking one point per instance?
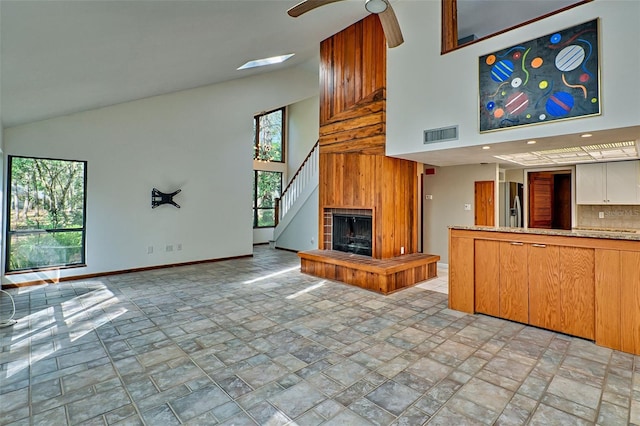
(584, 233)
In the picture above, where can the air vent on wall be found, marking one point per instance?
(440, 135)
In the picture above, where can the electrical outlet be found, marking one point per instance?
(428, 197)
(467, 206)
(169, 247)
(600, 215)
(150, 250)
(179, 246)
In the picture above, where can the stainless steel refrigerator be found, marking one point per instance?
(510, 207)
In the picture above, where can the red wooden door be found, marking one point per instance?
(540, 200)
(484, 203)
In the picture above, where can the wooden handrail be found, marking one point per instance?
(300, 168)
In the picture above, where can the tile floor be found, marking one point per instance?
(254, 341)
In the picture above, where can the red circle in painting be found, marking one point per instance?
(517, 103)
(584, 78)
(517, 55)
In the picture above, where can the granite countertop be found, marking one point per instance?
(631, 235)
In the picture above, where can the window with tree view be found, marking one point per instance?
(46, 213)
(268, 131)
(266, 188)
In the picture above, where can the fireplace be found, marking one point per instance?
(352, 233)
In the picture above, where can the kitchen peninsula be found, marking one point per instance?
(582, 283)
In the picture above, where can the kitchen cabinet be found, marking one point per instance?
(487, 277)
(461, 274)
(608, 183)
(577, 292)
(562, 289)
(514, 294)
(501, 280)
(544, 286)
(618, 299)
(553, 279)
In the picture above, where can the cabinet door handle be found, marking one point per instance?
(516, 244)
(539, 245)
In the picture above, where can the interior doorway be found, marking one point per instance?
(550, 199)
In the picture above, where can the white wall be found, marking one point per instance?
(198, 140)
(427, 90)
(303, 128)
(451, 188)
(302, 232)
(303, 131)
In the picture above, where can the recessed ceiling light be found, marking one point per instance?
(586, 135)
(486, 147)
(531, 142)
(266, 61)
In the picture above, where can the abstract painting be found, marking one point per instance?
(554, 77)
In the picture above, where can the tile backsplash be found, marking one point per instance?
(615, 217)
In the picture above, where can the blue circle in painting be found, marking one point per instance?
(559, 104)
(555, 39)
(491, 105)
(502, 70)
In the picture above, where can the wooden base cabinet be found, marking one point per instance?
(528, 279)
(544, 286)
(562, 289)
(618, 299)
(577, 295)
(501, 280)
(461, 291)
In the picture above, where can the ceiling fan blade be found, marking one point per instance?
(307, 5)
(391, 27)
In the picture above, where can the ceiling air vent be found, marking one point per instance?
(440, 135)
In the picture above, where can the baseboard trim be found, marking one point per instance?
(118, 272)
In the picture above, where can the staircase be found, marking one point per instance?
(299, 189)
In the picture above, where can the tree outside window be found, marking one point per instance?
(269, 135)
(266, 188)
(269, 166)
(46, 213)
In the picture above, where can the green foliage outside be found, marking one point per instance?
(45, 196)
(269, 185)
(268, 131)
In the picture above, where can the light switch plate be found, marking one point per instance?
(467, 206)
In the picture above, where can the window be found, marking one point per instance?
(269, 165)
(266, 188)
(46, 213)
(467, 21)
(269, 136)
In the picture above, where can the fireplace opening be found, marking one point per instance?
(352, 234)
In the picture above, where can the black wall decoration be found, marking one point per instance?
(159, 198)
(553, 77)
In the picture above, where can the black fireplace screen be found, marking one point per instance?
(352, 234)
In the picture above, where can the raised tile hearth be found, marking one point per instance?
(380, 275)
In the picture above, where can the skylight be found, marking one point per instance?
(265, 61)
(613, 151)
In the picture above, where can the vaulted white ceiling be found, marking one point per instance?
(61, 56)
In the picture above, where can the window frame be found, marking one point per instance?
(9, 232)
(449, 25)
(256, 136)
(255, 208)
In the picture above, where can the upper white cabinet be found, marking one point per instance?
(608, 183)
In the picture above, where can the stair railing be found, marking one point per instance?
(307, 170)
